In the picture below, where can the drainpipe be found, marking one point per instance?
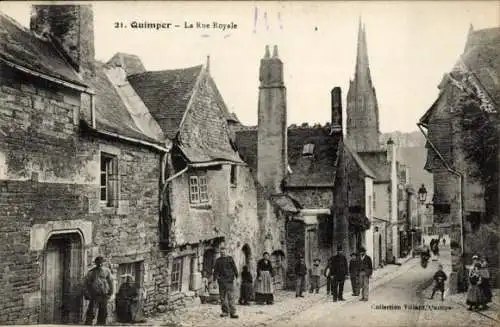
(457, 173)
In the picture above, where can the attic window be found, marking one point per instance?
(308, 149)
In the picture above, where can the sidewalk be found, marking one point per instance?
(286, 304)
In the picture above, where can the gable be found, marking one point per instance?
(204, 133)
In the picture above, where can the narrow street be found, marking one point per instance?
(399, 297)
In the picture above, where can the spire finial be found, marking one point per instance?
(267, 55)
(275, 51)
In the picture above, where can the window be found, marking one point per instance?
(133, 268)
(176, 279)
(109, 180)
(308, 149)
(234, 175)
(198, 189)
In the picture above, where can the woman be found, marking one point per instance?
(128, 306)
(485, 282)
(475, 297)
(264, 281)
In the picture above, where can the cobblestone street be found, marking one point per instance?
(392, 287)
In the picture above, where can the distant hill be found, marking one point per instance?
(406, 140)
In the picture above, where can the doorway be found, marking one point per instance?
(208, 262)
(245, 257)
(62, 273)
(380, 250)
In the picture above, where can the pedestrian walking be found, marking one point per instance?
(225, 272)
(365, 272)
(300, 277)
(98, 289)
(439, 280)
(338, 270)
(315, 274)
(485, 283)
(264, 283)
(475, 296)
(354, 265)
(246, 286)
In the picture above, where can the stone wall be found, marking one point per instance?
(50, 184)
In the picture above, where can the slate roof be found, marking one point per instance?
(482, 57)
(318, 170)
(20, 46)
(286, 203)
(361, 164)
(377, 162)
(111, 113)
(166, 93)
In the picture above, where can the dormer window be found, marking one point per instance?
(308, 149)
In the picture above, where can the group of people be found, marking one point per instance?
(98, 289)
(359, 269)
(479, 288)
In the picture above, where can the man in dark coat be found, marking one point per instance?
(98, 289)
(365, 272)
(300, 277)
(338, 271)
(225, 272)
(354, 273)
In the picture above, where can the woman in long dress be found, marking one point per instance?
(264, 282)
(475, 296)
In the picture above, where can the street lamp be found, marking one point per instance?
(422, 196)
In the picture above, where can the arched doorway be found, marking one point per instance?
(208, 262)
(380, 249)
(61, 296)
(245, 257)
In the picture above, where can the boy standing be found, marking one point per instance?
(300, 275)
(315, 273)
(439, 279)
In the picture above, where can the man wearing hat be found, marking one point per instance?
(98, 290)
(338, 273)
(225, 272)
(365, 272)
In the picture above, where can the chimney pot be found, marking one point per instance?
(336, 110)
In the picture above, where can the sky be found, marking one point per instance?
(411, 44)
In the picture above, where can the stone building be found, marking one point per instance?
(110, 159)
(462, 127)
(79, 171)
(299, 169)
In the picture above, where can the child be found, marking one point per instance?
(315, 273)
(439, 279)
(204, 288)
(246, 286)
(475, 296)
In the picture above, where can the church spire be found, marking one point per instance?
(362, 108)
(362, 63)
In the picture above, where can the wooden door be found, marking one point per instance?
(52, 295)
(61, 286)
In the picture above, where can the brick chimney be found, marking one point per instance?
(336, 126)
(71, 27)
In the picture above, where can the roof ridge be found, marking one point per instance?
(167, 70)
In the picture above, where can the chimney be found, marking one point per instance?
(390, 150)
(336, 126)
(71, 28)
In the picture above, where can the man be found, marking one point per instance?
(338, 271)
(225, 272)
(98, 289)
(300, 275)
(365, 272)
(354, 273)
